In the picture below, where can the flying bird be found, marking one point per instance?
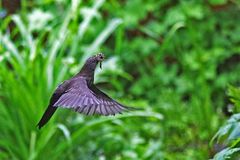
(80, 94)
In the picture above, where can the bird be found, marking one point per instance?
(80, 94)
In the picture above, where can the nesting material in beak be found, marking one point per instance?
(101, 65)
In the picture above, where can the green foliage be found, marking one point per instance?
(226, 153)
(234, 94)
(229, 134)
(174, 59)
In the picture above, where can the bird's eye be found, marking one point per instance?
(101, 57)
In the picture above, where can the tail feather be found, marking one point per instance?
(46, 116)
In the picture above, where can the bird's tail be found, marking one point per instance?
(46, 116)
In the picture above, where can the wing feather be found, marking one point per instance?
(65, 101)
(89, 101)
(73, 101)
(112, 112)
(92, 110)
(99, 109)
(103, 109)
(115, 109)
(85, 109)
(76, 101)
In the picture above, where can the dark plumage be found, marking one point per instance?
(80, 94)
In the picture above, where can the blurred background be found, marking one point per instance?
(177, 60)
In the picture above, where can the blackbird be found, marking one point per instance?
(80, 94)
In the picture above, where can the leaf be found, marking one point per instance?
(226, 153)
(231, 128)
(234, 94)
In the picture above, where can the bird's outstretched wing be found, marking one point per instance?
(90, 101)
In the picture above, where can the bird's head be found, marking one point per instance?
(89, 67)
(100, 58)
(95, 59)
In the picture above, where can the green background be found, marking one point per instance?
(173, 59)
